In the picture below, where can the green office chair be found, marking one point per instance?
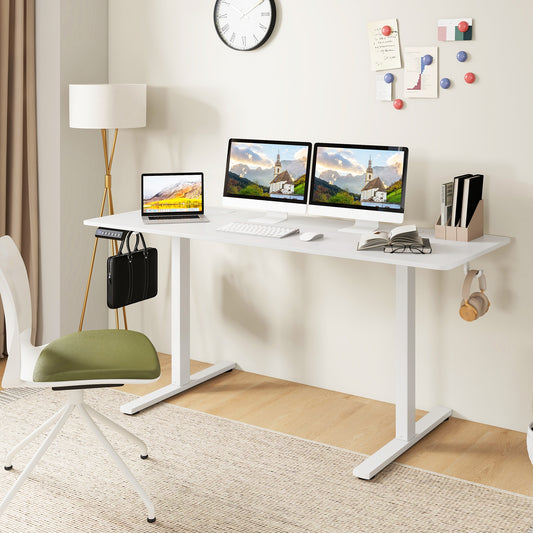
(102, 358)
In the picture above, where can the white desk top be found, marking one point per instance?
(446, 254)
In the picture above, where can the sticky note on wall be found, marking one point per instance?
(384, 45)
(383, 89)
(455, 29)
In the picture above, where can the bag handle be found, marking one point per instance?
(141, 236)
(127, 241)
(146, 262)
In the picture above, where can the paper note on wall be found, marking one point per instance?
(383, 89)
(384, 49)
(421, 72)
(452, 29)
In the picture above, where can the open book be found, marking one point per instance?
(400, 236)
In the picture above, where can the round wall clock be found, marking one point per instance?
(244, 24)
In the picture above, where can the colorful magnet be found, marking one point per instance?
(470, 77)
(462, 56)
(398, 103)
(463, 26)
(427, 59)
(445, 83)
(386, 30)
(389, 78)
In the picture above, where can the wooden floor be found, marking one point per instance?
(476, 452)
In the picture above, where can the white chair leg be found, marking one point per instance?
(35, 459)
(123, 431)
(119, 462)
(8, 462)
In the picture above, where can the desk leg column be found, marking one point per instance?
(405, 355)
(408, 432)
(180, 323)
(181, 310)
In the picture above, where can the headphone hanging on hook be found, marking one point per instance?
(474, 305)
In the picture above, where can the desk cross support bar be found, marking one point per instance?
(180, 335)
(408, 432)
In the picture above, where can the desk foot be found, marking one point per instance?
(164, 393)
(392, 450)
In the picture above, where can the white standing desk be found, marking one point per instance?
(446, 256)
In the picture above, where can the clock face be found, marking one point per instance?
(244, 24)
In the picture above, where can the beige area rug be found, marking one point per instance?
(208, 474)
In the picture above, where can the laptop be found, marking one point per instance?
(172, 197)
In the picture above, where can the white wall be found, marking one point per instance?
(47, 48)
(71, 47)
(84, 50)
(332, 323)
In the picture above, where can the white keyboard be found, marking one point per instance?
(261, 230)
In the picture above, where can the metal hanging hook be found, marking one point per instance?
(466, 268)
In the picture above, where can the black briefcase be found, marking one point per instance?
(132, 275)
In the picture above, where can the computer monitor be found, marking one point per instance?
(271, 176)
(361, 182)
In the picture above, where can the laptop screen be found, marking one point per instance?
(172, 194)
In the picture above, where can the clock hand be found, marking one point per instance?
(238, 10)
(250, 10)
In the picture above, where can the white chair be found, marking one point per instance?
(87, 359)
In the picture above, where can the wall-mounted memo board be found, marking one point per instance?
(420, 64)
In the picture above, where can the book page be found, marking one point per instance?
(402, 229)
(374, 236)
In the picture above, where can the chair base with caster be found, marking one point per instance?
(56, 422)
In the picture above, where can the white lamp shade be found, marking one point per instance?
(107, 106)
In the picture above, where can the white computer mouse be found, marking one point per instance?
(311, 236)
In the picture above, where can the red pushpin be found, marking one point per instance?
(398, 103)
(463, 26)
(386, 30)
(470, 77)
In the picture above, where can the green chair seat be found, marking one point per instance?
(98, 354)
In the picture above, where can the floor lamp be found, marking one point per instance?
(106, 107)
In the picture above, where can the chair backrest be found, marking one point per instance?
(16, 301)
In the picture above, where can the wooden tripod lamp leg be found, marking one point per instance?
(91, 267)
(114, 247)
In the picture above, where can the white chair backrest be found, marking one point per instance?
(16, 301)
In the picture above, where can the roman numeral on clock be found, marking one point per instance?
(244, 24)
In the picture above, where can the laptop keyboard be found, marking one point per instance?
(261, 230)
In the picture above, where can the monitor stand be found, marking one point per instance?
(361, 226)
(270, 217)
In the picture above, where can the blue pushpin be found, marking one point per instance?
(389, 78)
(445, 83)
(462, 56)
(427, 59)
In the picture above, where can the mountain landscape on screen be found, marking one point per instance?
(191, 189)
(267, 170)
(353, 176)
(181, 194)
